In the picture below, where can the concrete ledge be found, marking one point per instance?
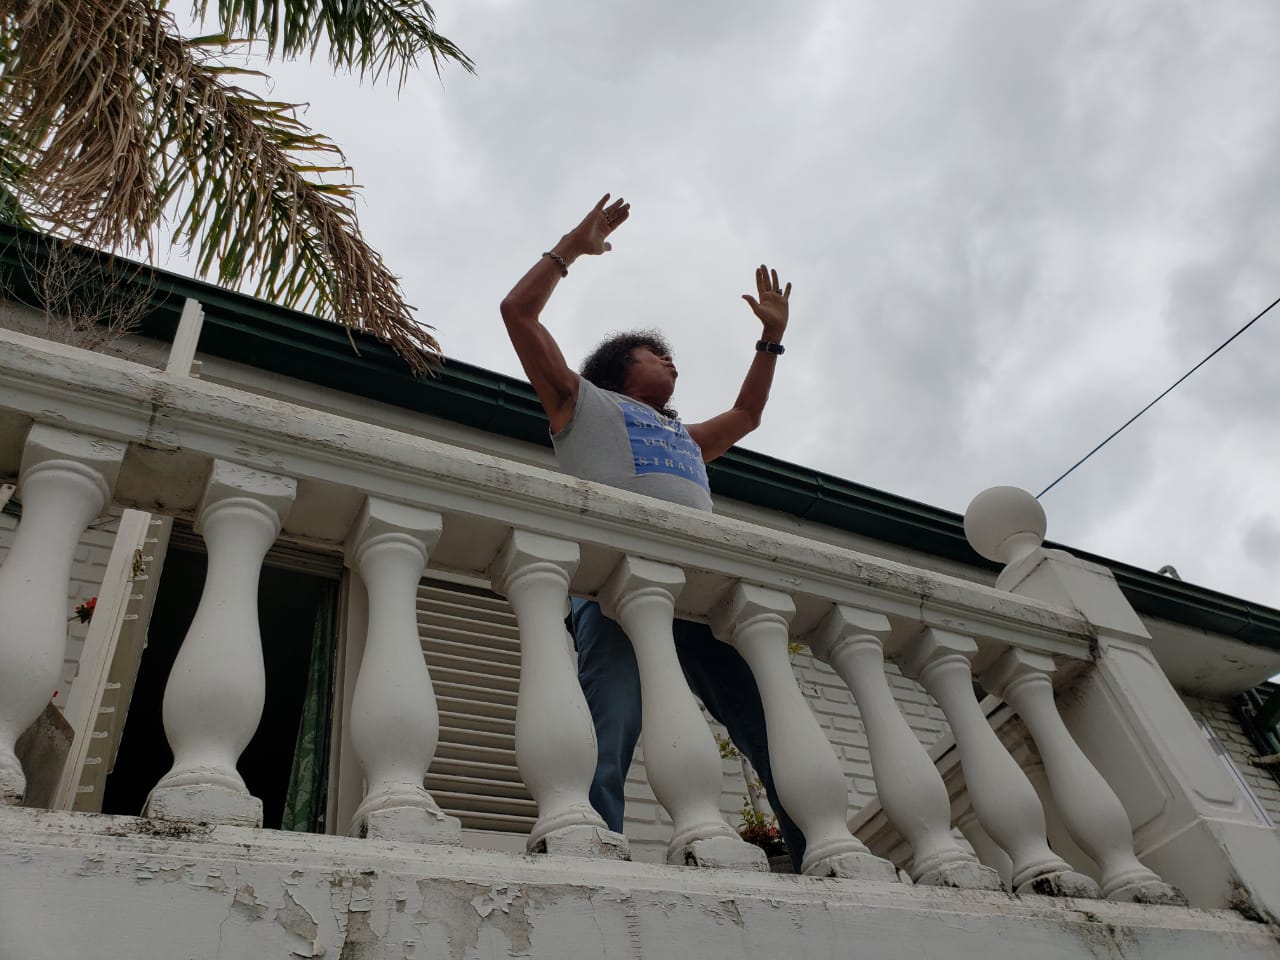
(89, 885)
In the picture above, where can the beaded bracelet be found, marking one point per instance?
(559, 262)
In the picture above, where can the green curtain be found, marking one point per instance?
(304, 804)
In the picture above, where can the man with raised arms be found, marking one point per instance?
(611, 423)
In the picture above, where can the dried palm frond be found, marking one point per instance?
(110, 118)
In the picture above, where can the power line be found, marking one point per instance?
(1064, 476)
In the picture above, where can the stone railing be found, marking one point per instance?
(81, 431)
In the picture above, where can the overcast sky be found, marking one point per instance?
(1009, 225)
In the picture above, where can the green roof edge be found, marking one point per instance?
(252, 331)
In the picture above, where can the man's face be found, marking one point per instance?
(651, 378)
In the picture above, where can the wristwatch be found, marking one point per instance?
(768, 346)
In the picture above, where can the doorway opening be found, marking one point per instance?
(297, 612)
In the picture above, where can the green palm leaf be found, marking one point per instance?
(370, 37)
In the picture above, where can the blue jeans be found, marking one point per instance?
(716, 674)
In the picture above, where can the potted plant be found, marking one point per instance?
(756, 826)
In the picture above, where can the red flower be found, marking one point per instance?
(84, 612)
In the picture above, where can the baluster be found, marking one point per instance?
(555, 742)
(215, 692)
(64, 481)
(1091, 811)
(1002, 797)
(395, 724)
(681, 755)
(910, 788)
(806, 772)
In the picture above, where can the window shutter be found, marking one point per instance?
(472, 647)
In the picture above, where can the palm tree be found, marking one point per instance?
(112, 123)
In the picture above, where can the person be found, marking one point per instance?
(612, 423)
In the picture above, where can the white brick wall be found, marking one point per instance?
(1241, 750)
(649, 828)
(86, 579)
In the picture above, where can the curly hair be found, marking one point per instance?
(607, 364)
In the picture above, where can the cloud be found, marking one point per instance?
(1262, 543)
(1009, 227)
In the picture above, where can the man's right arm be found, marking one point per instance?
(553, 380)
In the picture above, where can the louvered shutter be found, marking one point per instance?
(471, 644)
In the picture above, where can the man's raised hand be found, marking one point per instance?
(772, 308)
(590, 236)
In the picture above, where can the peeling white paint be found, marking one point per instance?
(244, 893)
(498, 898)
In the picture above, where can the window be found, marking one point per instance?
(1221, 751)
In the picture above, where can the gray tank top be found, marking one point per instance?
(623, 443)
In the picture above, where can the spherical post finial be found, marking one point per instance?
(1004, 524)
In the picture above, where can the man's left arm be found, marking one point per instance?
(718, 434)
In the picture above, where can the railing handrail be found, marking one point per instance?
(343, 459)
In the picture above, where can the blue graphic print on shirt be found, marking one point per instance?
(662, 445)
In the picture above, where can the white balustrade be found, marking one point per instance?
(214, 696)
(395, 723)
(65, 480)
(555, 741)
(807, 775)
(1090, 809)
(1002, 797)
(910, 788)
(681, 756)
